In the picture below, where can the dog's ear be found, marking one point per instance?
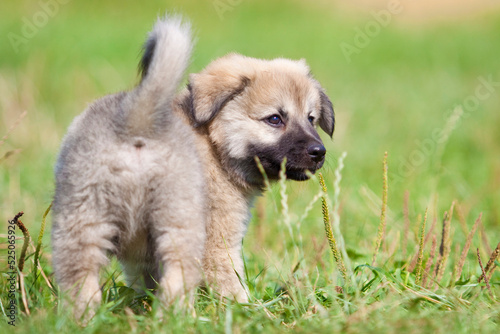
(210, 92)
(327, 116)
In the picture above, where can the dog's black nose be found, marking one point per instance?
(316, 152)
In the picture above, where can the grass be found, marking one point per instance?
(407, 93)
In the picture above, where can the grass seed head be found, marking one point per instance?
(328, 230)
(465, 250)
(421, 250)
(383, 218)
(491, 262)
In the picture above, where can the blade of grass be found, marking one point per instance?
(383, 218)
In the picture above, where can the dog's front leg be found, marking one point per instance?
(223, 263)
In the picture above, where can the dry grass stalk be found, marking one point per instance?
(484, 238)
(491, 262)
(260, 215)
(336, 212)
(461, 262)
(310, 206)
(17, 216)
(394, 246)
(406, 229)
(490, 273)
(267, 185)
(422, 295)
(430, 233)
(413, 262)
(428, 236)
(462, 220)
(430, 261)
(318, 252)
(445, 247)
(40, 236)
(443, 235)
(49, 284)
(456, 258)
(8, 154)
(22, 287)
(16, 123)
(421, 250)
(26, 234)
(484, 273)
(329, 233)
(284, 199)
(450, 125)
(383, 218)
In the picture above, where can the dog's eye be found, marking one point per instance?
(274, 120)
(310, 119)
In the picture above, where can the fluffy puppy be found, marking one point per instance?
(166, 183)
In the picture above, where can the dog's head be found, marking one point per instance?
(258, 108)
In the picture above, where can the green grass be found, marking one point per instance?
(397, 93)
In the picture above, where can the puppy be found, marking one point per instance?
(166, 182)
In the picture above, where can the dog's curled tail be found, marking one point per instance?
(166, 55)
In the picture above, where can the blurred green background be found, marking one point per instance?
(393, 93)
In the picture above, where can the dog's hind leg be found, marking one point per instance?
(178, 224)
(80, 246)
